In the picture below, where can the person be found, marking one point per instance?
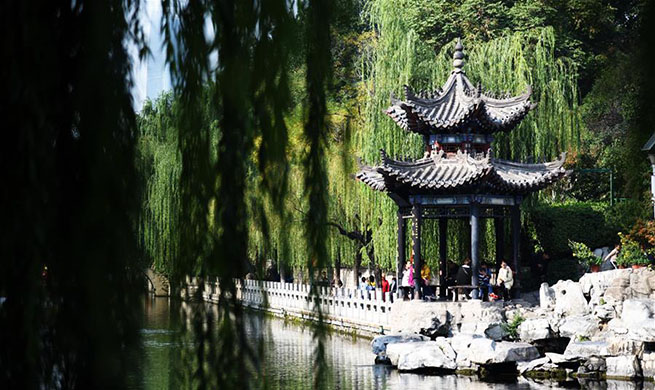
(370, 286)
(385, 286)
(484, 285)
(505, 280)
(609, 263)
(336, 282)
(464, 274)
(425, 281)
(405, 281)
(393, 286)
(363, 284)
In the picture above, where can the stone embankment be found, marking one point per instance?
(600, 327)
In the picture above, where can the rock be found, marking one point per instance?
(648, 365)
(592, 368)
(582, 349)
(642, 283)
(461, 344)
(557, 358)
(395, 351)
(535, 329)
(636, 310)
(623, 367)
(546, 296)
(379, 344)
(485, 351)
(598, 282)
(420, 318)
(575, 326)
(418, 355)
(604, 312)
(623, 346)
(491, 330)
(541, 364)
(569, 299)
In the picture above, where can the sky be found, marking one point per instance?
(151, 76)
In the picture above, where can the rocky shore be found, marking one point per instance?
(600, 327)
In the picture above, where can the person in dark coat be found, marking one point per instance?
(464, 275)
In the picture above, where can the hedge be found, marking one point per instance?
(587, 222)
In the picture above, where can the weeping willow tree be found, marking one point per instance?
(507, 64)
(70, 276)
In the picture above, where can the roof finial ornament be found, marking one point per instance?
(458, 56)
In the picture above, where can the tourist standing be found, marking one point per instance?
(385, 286)
(404, 282)
(370, 286)
(505, 280)
(362, 283)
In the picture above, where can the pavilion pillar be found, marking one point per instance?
(500, 240)
(443, 249)
(516, 241)
(416, 244)
(475, 238)
(400, 264)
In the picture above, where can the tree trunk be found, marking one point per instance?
(357, 265)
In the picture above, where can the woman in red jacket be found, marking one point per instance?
(385, 286)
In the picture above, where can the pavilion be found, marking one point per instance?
(458, 177)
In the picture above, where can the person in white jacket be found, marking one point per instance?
(505, 280)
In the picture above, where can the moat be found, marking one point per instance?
(288, 348)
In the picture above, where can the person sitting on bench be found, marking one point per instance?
(464, 275)
(484, 283)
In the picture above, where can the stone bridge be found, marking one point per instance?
(157, 283)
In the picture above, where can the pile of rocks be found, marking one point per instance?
(602, 326)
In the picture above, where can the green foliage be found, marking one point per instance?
(584, 254)
(565, 268)
(512, 327)
(402, 57)
(631, 253)
(585, 222)
(624, 215)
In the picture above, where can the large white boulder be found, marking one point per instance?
(492, 330)
(461, 344)
(623, 366)
(485, 351)
(418, 355)
(419, 317)
(569, 299)
(379, 344)
(535, 329)
(585, 349)
(648, 365)
(546, 297)
(642, 283)
(598, 282)
(576, 326)
(541, 364)
(637, 310)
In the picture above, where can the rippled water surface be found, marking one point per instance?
(288, 360)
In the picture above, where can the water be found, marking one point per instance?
(288, 360)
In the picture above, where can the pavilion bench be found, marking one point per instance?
(455, 289)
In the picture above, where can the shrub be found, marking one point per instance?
(583, 222)
(631, 252)
(584, 254)
(512, 327)
(563, 269)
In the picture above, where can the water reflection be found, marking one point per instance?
(288, 360)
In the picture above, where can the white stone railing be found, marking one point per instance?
(342, 307)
